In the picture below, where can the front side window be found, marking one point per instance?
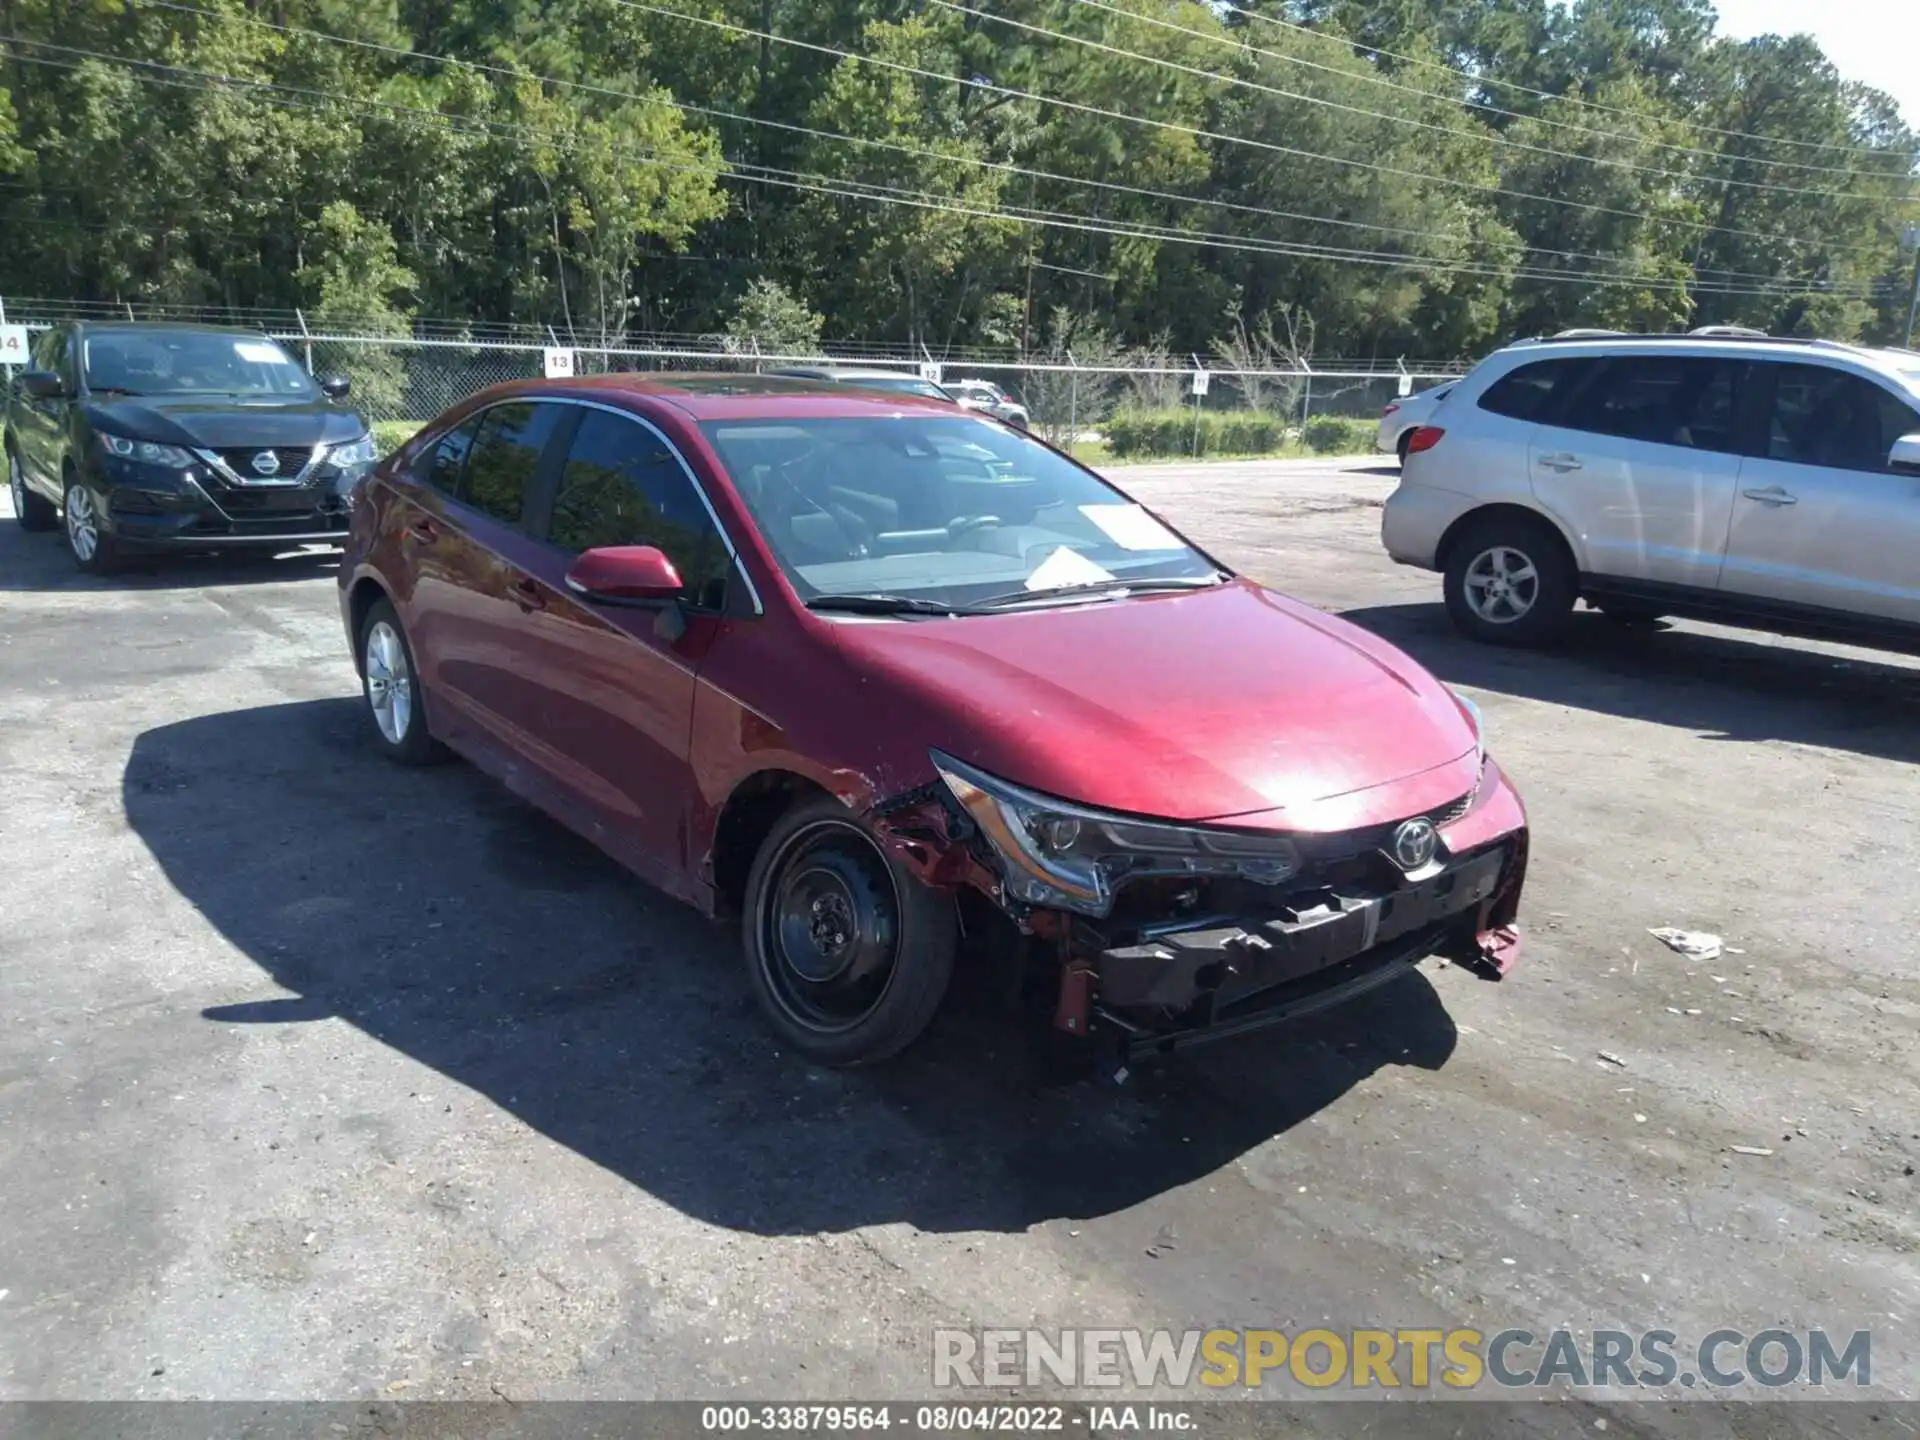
(443, 464)
(943, 508)
(190, 362)
(621, 485)
(1831, 418)
(1681, 400)
(505, 458)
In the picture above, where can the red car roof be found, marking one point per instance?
(723, 396)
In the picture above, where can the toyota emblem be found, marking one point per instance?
(266, 463)
(1414, 843)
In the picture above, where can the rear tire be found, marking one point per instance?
(92, 548)
(848, 955)
(1510, 581)
(31, 510)
(390, 684)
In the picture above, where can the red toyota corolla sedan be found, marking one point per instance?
(874, 674)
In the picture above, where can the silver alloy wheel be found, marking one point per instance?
(1501, 585)
(83, 526)
(389, 682)
(17, 483)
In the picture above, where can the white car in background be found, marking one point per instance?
(1404, 416)
(989, 399)
(1723, 475)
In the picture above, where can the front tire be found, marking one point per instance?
(848, 955)
(32, 511)
(390, 685)
(1510, 581)
(92, 548)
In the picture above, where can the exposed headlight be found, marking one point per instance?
(353, 453)
(147, 452)
(1058, 854)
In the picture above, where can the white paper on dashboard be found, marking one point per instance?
(1066, 567)
(1131, 528)
(256, 353)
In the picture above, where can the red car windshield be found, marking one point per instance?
(945, 509)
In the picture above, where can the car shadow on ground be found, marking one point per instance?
(1723, 686)
(446, 919)
(39, 560)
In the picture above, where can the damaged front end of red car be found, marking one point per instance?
(1166, 934)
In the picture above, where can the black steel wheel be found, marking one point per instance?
(847, 954)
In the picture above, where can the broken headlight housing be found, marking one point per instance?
(1061, 855)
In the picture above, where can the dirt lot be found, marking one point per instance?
(324, 1078)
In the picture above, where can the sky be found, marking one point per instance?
(1871, 40)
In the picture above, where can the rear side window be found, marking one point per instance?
(1683, 400)
(506, 457)
(1525, 394)
(621, 485)
(442, 464)
(1831, 418)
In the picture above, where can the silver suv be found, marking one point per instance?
(1726, 476)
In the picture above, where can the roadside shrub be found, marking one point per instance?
(1171, 433)
(1338, 435)
(390, 435)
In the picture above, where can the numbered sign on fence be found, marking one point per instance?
(15, 345)
(559, 364)
(930, 370)
(1406, 386)
(1201, 379)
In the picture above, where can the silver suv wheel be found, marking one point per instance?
(1502, 585)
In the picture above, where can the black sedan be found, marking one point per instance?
(154, 437)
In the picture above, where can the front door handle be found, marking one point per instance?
(529, 594)
(1772, 495)
(1561, 463)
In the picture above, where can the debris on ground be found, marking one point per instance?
(1750, 1150)
(1694, 944)
(1613, 1059)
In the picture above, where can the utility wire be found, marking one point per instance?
(1481, 81)
(858, 190)
(1198, 133)
(920, 151)
(1244, 47)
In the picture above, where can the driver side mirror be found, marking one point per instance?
(43, 385)
(336, 387)
(1906, 454)
(625, 572)
(640, 576)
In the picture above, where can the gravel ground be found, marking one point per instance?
(321, 1078)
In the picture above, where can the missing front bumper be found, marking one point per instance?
(1221, 975)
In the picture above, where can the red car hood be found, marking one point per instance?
(1229, 702)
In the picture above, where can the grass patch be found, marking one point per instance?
(390, 435)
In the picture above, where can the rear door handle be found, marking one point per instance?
(529, 594)
(424, 531)
(1562, 463)
(1772, 495)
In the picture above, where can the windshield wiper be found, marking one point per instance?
(1116, 588)
(113, 390)
(886, 605)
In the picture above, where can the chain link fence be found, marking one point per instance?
(1137, 409)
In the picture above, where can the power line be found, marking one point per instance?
(1196, 132)
(916, 150)
(1486, 80)
(859, 190)
(1244, 47)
